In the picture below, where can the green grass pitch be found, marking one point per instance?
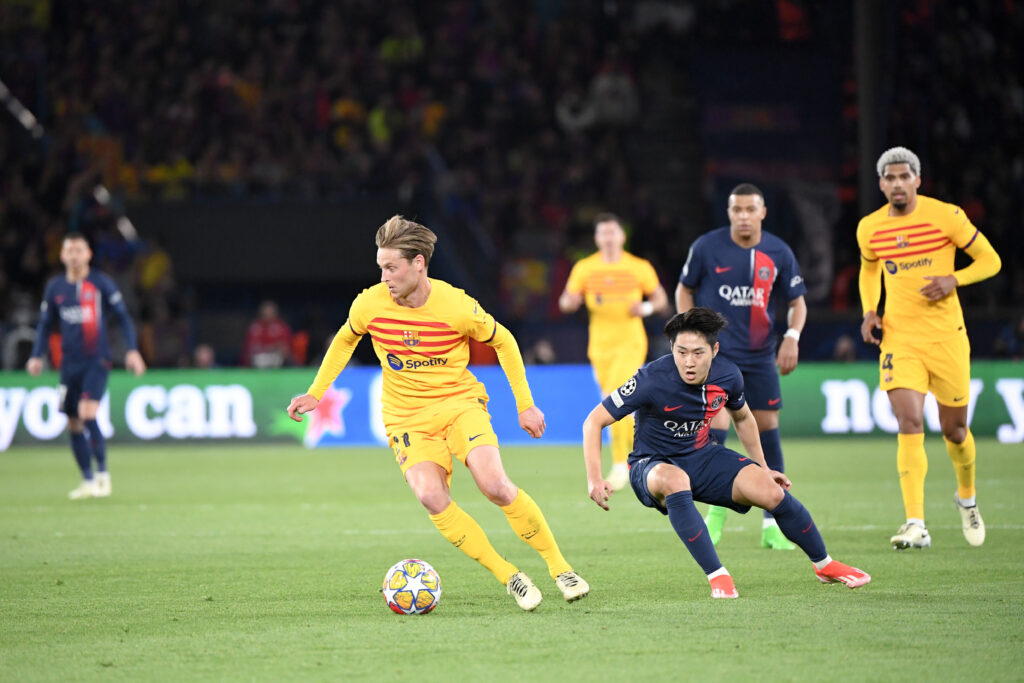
(265, 563)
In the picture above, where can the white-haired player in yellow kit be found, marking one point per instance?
(434, 408)
(613, 283)
(911, 242)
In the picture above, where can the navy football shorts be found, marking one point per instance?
(761, 383)
(82, 380)
(711, 469)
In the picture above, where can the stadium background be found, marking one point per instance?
(254, 148)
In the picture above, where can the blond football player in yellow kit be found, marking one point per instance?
(613, 283)
(434, 408)
(911, 242)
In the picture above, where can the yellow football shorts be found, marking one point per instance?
(453, 432)
(944, 368)
(613, 369)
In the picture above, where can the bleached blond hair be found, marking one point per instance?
(899, 155)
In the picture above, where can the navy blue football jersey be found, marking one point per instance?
(81, 307)
(673, 417)
(738, 282)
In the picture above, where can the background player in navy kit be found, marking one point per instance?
(735, 270)
(674, 461)
(79, 299)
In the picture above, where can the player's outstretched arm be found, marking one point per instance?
(532, 422)
(598, 488)
(789, 349)
(869, 283)
(746, 429)
(684, 298)
(569, 302)
(134, 362)
(301, 405)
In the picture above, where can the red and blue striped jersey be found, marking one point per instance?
(80, 307)
(739, 282)
(673, 417)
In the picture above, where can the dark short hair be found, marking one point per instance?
(75, 235)
(703, 321)
(747, 189)
(605, 217)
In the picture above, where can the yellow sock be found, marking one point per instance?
(526, 519)
(622, 439)
(963, 455)
(457, 526)
(912, 463)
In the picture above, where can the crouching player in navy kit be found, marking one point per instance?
(675, 462)
(79, 298)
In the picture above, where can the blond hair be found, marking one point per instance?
(410, 238)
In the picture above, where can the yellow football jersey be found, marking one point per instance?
(609, 289)
(911, 247)
(424, 351)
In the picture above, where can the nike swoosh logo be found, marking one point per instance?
(669, 410)
(478, 435)
(720, 269)
(697, 536)
(959, 398)
(773, 401)
(742, 458)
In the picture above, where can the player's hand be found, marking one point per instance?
(780, 479)
(532, 422)
(872, 321)
(133, 362)
(938, 287)
(300, 405)
(789, 354)
(600, 492)
(34, 366)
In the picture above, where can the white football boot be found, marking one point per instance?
(103, 487)
(618, 476)
(87, 489)
(522, 589)
(974, 525)
(572, 585)
(911, 535)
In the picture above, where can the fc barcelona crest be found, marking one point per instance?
(902, 242)
(411, 337)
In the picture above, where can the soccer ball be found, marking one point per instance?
(412, 587)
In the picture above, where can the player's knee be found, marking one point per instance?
(773, 496)
(957, 433)
(910, 424)
(500, 491)
(664, 480)
(434, 500)
(76, 425)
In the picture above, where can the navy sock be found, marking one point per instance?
(719, 435)
(772, 447)
(797, 525)
(98, 444)
(83, 454)
(690, 526)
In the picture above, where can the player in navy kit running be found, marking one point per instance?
(79, 298)
(735, 270)
(675, 462)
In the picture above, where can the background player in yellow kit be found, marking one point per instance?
(924, 347)
(613, 283)
(433, 407)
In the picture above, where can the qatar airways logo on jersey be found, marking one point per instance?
(76, 315)
(397, 364)
(682, 430)
(742, 295)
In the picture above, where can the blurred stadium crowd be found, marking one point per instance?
(514, 120)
